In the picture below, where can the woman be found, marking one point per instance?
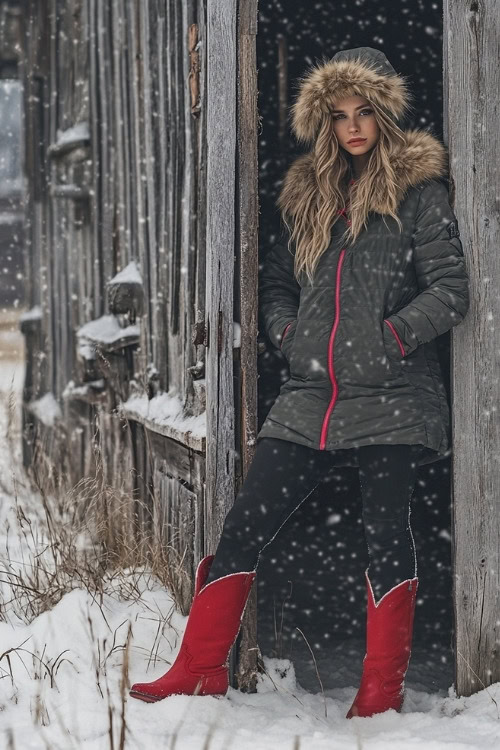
(369, 272)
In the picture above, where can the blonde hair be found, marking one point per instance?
(310, 218)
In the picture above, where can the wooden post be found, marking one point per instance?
(248, 287)
(221, 167)
(470, 52)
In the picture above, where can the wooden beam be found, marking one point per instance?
(470, 51)
(221, 166)
(248, 288)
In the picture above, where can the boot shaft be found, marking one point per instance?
(389, 633)
(215, 616)
(389, 626)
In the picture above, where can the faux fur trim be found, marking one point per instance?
(328, 82)
(421, 157)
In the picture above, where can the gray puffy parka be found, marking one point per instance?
(360, 342)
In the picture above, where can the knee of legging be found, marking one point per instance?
(377, 524)
(386, 532)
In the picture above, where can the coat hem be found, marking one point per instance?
(346, 455)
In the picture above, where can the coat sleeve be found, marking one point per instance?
(443, 300)
(279, 291)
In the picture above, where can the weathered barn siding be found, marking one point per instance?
(130, 162)
(471, 53)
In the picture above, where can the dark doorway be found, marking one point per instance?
(312, 576)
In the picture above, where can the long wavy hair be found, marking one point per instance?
(310, 218)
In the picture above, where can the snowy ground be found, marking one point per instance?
(62, 673)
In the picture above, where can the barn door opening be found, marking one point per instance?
(311, 576)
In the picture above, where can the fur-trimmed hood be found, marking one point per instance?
(362, 71)
(366, 72)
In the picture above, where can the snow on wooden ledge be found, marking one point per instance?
(91, 392)
(164, 414)
(34, 313)
(106, 333)
(76, 134)
(129, 275)
(46, 409)
(70, 139)
(30, 321)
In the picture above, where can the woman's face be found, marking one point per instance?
(354, 117)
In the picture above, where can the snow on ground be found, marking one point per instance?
(61, 673)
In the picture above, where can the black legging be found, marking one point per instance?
(283, 474)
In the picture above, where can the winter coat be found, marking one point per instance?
(361, 340)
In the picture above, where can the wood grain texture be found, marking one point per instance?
(471, 53)
(220, 251)
(134, 191)
(167, 179)
(248, 263)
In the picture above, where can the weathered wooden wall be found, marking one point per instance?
(100, 122)
(133, 169)
(471, 75)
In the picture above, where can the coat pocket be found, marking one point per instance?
(411, 368)
(360, 358)
(288, 337)
(393, 345)
(308, 353)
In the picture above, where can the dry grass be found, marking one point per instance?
(79, 537)
(58, 557)
(91, 534)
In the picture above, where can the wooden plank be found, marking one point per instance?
(200, 319)
(121, 240)
(187, 209)
(162, 188)
(248, 258)
(113, 501)
(136, 126)
(177, 460)
(143, 462)
(95, 269)
(221, 144)
(173, 528)
(107, 147)
(171, 246)
(196, 442)
(49, 261)
(199, 528)
(249, 218)
(471, 63)
(147, 31)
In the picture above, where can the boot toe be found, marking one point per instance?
(142, 691)
(366, 711)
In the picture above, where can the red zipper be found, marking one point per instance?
(331, 371)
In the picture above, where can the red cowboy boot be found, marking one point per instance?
(213, 624)
(389, 632)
